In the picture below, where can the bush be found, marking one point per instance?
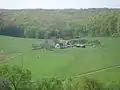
(47, 45)
(83, 41)
(35, 47)
(55, 41)
(42, 45)
(16, 76)
(116, 35)
(91, 84)
(27, 86)
(74, 41)
(4, 84)
(51, 84)
(114, 86)
(94, 42)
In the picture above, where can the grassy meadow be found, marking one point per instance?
(16, 45)
(65, 62)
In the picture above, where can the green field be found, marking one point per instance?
(65, 62)
(16, 45)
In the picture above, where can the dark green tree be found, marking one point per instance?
(18, 78)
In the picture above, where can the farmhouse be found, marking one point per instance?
(57, 45)
(69, 44)
(80, 45)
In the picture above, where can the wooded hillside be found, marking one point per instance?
(68, 23)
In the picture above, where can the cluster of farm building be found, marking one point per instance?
(62, 44)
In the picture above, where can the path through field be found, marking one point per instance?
(10, 58)
(77, 76)
(95, 71)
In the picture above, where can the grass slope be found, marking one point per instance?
(15, 45)
(68, 62)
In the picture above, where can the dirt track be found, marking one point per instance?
(8, 58)
(99, 70)
(77, 76)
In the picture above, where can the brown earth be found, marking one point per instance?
(4, 56)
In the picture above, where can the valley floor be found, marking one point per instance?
(102, 63)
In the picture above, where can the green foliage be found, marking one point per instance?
(55, 41)
(52, 84)
(17, 77)
(60, 23)
(94, 43)
(91, 84)
(35, 46)
(4, 84)
(48, 45)
(114, 85)
(83, 41)
(116, 35)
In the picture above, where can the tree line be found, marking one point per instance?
(18, 78)
(68, 23)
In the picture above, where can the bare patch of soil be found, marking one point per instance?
(4, 56)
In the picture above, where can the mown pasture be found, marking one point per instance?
(64, 62)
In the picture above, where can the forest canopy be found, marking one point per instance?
(64, 23)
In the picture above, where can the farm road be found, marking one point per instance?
(99, 70)
(77, 76)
